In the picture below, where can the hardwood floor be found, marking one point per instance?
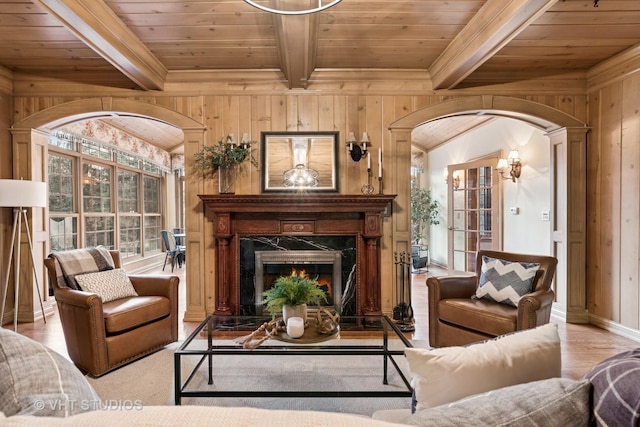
(582, 345)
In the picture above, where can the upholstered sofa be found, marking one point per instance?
(38, 387)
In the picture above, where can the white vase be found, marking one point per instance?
(294, 311)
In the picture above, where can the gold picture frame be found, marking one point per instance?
(299, 161)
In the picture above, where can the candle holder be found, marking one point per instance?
(380, 185)
(368, 188)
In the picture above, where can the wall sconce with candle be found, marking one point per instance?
(358, 149)
(511, 164)
(456, 178)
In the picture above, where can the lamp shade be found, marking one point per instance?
(17, 193)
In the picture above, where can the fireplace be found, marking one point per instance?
(265, 258)
(244, 224)
(323, 266)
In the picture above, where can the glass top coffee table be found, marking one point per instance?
(352, 362)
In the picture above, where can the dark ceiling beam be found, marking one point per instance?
(100, 28)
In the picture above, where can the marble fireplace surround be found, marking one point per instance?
(235, 216)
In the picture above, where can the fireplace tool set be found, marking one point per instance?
(403, 312)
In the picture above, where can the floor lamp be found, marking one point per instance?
(19, 195)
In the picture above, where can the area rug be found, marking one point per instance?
(150, 381)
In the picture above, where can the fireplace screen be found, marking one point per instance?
(323, 266)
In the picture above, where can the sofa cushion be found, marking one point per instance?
(35, 380)
(479, 315)
(193, 415)
(444, 375)
(552, 402)
(505, 282)
(127, 313)
(616, 380)
(110, 285)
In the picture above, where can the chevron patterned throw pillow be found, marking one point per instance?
(504, 281)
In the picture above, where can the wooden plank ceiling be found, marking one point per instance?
(457, 43)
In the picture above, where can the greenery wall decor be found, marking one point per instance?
(223, 154)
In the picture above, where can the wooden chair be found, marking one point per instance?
(455, 318)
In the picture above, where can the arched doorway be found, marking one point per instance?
(568, 162)
(29, 140)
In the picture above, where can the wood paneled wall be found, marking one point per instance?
(613, 203)
(243, 111)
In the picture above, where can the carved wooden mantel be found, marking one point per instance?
(301, 215)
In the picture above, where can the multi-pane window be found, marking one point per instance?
(130, 218)
(152, 219)
(95, 150)
(129, 236)
(96, 188)
(63, 222)
(119, 201)
(99, 231)
(60, 171)
(128, 192)
(96, 201)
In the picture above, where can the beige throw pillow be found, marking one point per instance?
(110, 285)
(447, 374)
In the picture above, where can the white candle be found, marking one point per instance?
(295, 327)
(368, 162)
(379, 162)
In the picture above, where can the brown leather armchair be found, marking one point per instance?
(101, 337)
(457, 319)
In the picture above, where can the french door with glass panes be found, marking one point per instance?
(474, 213)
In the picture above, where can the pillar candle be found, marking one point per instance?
(295, 327)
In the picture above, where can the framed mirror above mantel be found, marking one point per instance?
(314, 220)
(299, 161)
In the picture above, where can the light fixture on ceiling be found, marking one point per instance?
(358, 150)
(512, 164)
(322, 5)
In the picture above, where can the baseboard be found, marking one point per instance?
(614, 327)
(560, 314)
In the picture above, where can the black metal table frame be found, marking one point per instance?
(291, 350)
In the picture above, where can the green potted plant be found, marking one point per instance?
(424, 212)
(222, 158)
(291, 295)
